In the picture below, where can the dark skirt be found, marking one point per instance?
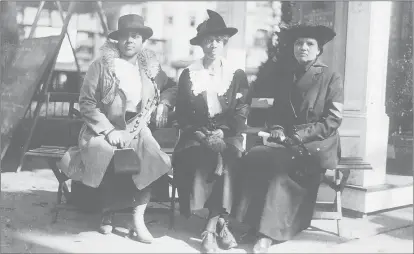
(194, 167)
(270, 198)
(118, 192)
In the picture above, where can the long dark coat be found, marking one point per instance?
(272, 200)
(194, 163)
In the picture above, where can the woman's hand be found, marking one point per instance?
(218, 133)
(116, 138)
(161, 118)
(277, 134)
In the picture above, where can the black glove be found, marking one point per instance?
(214, 142)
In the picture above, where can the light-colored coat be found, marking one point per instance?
(102, 106)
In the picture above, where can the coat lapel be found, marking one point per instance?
(308, 84)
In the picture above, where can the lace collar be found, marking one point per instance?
(201, 80)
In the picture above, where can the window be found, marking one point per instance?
(170, 20)
(192, 21)
(144, 13)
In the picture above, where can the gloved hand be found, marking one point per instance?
(218, 133)
(212, 140)
(277, 135)
(215, 143)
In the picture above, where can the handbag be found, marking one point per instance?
(126, 161)
(324, 153)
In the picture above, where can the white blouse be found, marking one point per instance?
(211, 86)
(130, 82)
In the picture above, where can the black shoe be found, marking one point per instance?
(225, 238)
(208, 242)
(106, 223)
(262, 245)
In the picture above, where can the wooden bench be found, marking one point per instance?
(53, 154)
(329, 212)
(334, 211)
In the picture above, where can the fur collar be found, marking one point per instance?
(146, 59)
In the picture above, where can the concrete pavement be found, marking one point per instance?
(28, 199)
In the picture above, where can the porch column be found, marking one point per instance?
(234, 14)
(365, 127)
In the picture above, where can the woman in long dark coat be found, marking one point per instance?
(276, 200)
(211, 111)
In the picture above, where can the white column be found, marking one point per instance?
(234, 14)
(365, 127)
(365, 85)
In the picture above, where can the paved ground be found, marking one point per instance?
(26, 213)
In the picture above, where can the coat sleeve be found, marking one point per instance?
(168, 89)
(237, 120)
(90, 96)
(332, 114)
(183, 107)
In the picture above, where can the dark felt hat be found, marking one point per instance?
(322, 34)
(131, 22)
(212, 26)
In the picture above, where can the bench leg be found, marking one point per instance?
(338, 201)
(63, 189)
(60, 177)
(172, 205)
(59, 201)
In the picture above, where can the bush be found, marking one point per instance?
(399, 100)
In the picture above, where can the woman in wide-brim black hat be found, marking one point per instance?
(278, 186)
(211, 111)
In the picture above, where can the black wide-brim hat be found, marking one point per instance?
(214, 25)
(131, 23)
(322, 34)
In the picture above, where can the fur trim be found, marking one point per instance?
(147, 59)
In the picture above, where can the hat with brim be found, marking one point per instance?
(214, 25)
(131, 23)
(322, 34)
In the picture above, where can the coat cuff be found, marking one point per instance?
(276, 127)
(166, 103)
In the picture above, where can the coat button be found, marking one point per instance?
(136, 136)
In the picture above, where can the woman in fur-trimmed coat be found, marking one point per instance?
(118, 91)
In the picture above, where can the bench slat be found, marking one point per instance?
(322, 215)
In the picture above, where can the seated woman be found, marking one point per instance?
(278, 186)
(120, 92)
(211, 112)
